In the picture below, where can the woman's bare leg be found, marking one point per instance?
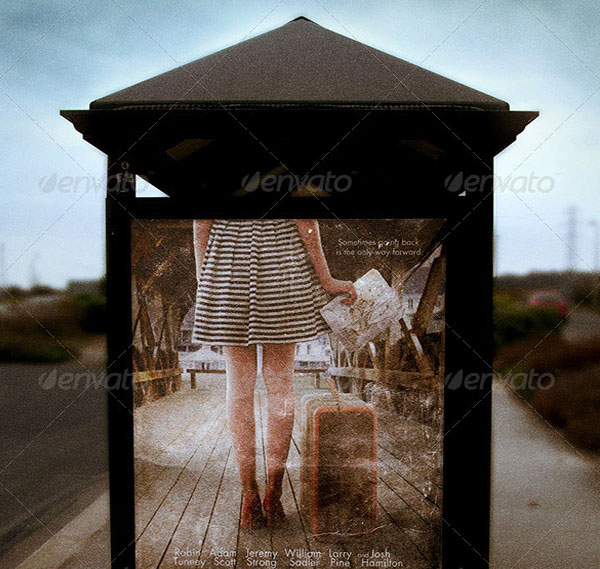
(241, 379)
(278, 373)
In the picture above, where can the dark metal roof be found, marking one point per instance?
(300, 64)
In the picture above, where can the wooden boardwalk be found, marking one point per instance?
(188, 495)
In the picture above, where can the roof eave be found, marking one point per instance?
(133, 105)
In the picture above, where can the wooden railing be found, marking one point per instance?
(397, 359)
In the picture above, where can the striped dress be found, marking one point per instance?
(257, 285)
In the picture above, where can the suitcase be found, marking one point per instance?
(338, 476)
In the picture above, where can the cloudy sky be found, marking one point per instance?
(536, 54)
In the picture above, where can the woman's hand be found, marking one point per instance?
(335, 286)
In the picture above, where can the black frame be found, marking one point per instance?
(468, 348)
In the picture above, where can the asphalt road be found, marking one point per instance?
(53, 451)
(546, 494)
(582, 325)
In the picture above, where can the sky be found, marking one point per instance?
(536, 54)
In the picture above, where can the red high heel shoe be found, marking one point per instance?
(252, 516)
(273, 510)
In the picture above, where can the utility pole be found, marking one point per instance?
(495, 253)
(2, 265)
(595, 262)
(571, 238)
(595, 245)
(33, 274)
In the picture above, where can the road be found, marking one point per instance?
(53, 452)
(546, 494)
(582, 325)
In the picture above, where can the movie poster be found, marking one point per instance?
(288, 393)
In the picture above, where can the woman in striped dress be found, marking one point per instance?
(261, 282)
